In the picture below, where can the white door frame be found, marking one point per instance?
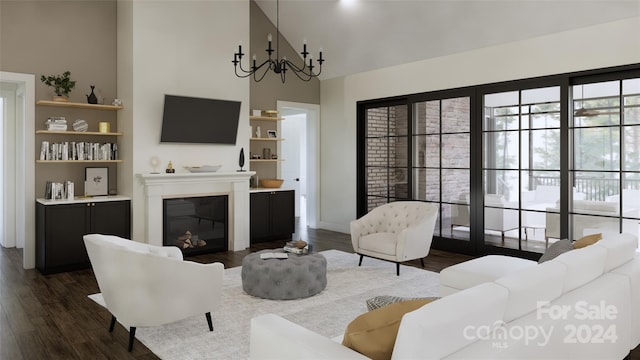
(313, 157)
(22, 182)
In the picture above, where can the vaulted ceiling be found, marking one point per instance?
(362, 35)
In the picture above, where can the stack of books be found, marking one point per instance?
(291, 248)
(56, 123)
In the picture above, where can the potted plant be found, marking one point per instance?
(62, 85)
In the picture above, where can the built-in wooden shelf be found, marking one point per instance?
(50, 132)
(77, 161)
(77, 105)
(265, 118)
(266, 160)
(266, 139)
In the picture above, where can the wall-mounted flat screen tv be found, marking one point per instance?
(199, 120)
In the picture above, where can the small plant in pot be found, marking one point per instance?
(62, 85)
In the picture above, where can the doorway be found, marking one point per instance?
(18, 167)
(300, 129)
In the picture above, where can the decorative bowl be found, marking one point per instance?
(271, 183)
(203, 168)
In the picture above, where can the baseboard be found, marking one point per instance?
(341, 228)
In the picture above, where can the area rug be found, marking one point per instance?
(328, 313)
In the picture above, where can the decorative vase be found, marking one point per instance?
(60, 98)
(92, 98)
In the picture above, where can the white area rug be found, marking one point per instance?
(328, 313)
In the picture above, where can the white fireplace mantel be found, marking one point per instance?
(165, 186)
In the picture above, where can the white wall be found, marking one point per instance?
(180, 48)
(605, 45)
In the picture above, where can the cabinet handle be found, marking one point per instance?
(88, 204)
(93, 204)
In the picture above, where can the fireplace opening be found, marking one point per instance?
(196, 225)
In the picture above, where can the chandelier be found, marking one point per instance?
(305, 72)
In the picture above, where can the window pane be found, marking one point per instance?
(596, 186)
(502, 183)
(377, 152)
(377, 181)
(597, 148)
(427, 116)
(545, 149)
(501, 150)
(398, 120)
(427, 184)
(631, 92)
(456, 150)
(596, 104)
(455, 115)
(377, 123)
(454, 183)
(398, 151)
(456, 220)
(632, 148)
(501, 111)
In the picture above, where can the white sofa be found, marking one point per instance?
(533, 313)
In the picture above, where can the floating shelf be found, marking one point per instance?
(77, 161)
(265, 118)
(77, 105)
(266, 139)
(265, 160)
(50, 132)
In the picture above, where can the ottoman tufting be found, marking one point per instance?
(297, 277)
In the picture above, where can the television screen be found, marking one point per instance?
(199, 120)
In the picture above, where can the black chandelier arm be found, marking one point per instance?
(306, 71)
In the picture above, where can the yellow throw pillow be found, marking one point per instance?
(373, 334)
(587, 240)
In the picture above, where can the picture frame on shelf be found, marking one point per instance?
(96, 181)
(272, 134)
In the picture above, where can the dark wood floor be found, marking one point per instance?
(50, 317)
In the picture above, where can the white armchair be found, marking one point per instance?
(398, 231)
(144, 285)
(496, 217)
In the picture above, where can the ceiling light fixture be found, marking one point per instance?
(278, 65)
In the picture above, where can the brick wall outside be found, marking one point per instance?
(390, 143)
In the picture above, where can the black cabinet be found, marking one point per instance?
(272, 215)
(60, 227)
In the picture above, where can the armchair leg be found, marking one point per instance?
(209, 322)
(397, 269)
(113, 323)
(360, 262)
(132, 336)
(422, 262)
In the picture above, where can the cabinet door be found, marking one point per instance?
(283, 213)
(111, 218)
(260, 213)
(65, 226)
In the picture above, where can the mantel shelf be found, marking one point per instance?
(77, 105)
(265, 118)
(50, 132)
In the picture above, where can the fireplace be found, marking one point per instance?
(196, 225)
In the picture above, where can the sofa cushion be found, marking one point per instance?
(587, 240)
(583, 265)
(620, 249)
(373, 334)
(383, 243)
(438, 329)
(531, 285)
(481, 270)
(556, 249)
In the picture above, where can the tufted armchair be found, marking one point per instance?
(398, 231)
(146, 285)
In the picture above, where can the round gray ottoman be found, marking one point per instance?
(297, 277)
